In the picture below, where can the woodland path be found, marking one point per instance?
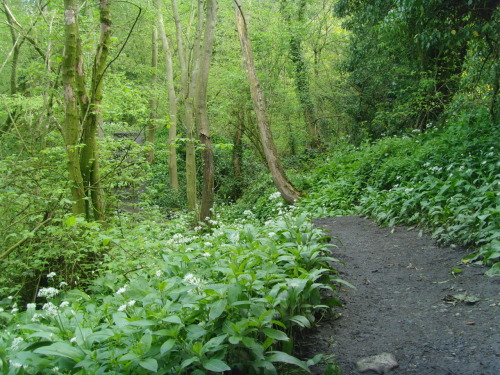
(404, 304)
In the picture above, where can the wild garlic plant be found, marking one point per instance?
(212, 300)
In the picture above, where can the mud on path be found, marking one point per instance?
(408, 303)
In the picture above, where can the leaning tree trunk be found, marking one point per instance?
(207, 197)
(287, 190)
(71, 129)
(172, 103)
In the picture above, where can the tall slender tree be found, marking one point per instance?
(71, 129)
(172, 102)
(289, 193)
(202, 121)
(189, 72)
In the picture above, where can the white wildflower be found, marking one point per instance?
(63, 284)
(159, 273)
(131, 303)
(197, 229)
(208, 244)
(248, 213)
(122, 308)
(31, 306)
(16, 342)
(10, 297)
(16, 365)
(55, 370)
(14, 310)
(271, 234)
(51, 275)
(193, 280)
(48, 292)
(123, 289)
(64, 304)
(50, 309)
(72, 340)
(36, 317)
(206, 254)
(274, 196)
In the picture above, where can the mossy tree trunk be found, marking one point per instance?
(71, 129)
(89, 161)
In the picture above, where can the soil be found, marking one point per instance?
(407, 302)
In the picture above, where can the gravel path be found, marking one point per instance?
(408, 303)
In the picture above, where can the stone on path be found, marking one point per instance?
(380, 363)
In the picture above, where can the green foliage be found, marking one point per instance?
(444, 181)
(230, 299)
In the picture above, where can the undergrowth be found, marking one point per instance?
(168, 299)
(445, 181)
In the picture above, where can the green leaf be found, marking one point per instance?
(149, 364)
(167, 346)
(301, 320)
(494, 270)
(131, 356)
(217, 308)
(287, 358)
(216, 365)
(62, 349)
(145, 343)
(70, 221)
(275, 334)
(172, 319)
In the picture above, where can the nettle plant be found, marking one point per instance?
(230, 300)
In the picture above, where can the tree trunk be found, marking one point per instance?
(172, 101)
(238, 153)
(89, 161)
(71, 130)
(287, 190)
(207, 198)
(153, 103)
(188, 84)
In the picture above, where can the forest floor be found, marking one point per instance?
(407, 303)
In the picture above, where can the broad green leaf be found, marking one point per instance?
(275, 334)
(131, 356)
(216, 365)
(287, 358)
(217, 308)
(145, 343)
(149, 364)
(70, 221)
(62, 349)
(301, 320)
(167, 346)
(494, 271)
(172, 319)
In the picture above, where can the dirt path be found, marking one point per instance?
(404, 304)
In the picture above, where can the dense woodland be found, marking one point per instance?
(161, 162)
